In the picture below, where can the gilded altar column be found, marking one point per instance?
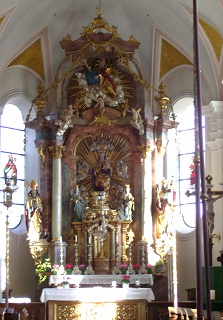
(124, 228)
(57, 152)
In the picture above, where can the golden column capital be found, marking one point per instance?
(145, 150)
(57, 151)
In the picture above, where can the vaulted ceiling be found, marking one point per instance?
(30, 32)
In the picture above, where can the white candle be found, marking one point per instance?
(137, 282)
(113, 283)
(60, 238)
(212, 294)
(76, 238)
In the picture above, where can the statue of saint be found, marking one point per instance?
(77, 208)
(163, 211)
(10, 171)
(128, 204)
(102, 174)
(33, 212)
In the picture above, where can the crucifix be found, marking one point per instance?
(212, 197)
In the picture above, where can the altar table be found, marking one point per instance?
(96, 294)
(100, 279)
(97, 303)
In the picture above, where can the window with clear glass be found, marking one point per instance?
(185, 212)
(12, 131)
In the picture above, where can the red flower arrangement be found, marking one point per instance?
(125, 279)
(68, 268)
(136, 267)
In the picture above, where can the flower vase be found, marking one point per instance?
(69, 271)
(125, 285)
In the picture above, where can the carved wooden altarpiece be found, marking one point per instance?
(101, 132)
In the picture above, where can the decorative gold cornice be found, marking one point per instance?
(57, 151)
(99, 23)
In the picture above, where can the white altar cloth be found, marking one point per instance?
(97, 294)
(100, 279)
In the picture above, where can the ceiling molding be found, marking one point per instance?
(35, 54)
(4, 18)
(167, 55)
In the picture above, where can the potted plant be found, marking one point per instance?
(123, 268)
(43, 270)
(125, 281)
(149, 268)
(55, 269)
(160, 267)
(82, 268)
(68, 268)
(136, 268)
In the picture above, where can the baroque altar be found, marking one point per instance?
(101, 156)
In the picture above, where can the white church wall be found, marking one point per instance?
(186, 265)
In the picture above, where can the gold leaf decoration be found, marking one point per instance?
(31, 58)
(171, 58)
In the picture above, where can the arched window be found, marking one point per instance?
(12, 132)
(184, 144)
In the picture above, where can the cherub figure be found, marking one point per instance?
(101, 105)
(66, 122)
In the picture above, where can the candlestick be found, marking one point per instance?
(113, 283)
(76, 269)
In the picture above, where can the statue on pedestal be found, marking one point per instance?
(77, 208)
(33, 212)
(128, 204)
